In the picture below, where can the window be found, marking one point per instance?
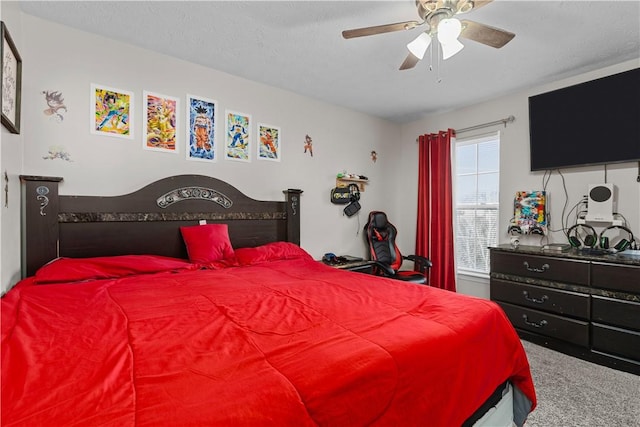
(477, 184)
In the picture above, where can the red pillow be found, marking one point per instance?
(207, 243)
(271, 252)
(64, 270)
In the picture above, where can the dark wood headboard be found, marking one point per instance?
(146, 221)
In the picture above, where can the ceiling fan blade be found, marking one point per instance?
(477, 4)
(410, 61)
(485, 34)
(379, 29)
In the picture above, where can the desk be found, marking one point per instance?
(355, 264)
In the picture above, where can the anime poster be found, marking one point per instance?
(112, 112)
(237, 141)
(529, 210)
(201, 128)
(269, 145)
(160, 122)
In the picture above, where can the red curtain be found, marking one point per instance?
(434, 233)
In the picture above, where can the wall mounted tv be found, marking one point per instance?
(592, 123)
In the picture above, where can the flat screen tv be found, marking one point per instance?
(592, 123)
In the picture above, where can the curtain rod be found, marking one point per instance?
(509, 119)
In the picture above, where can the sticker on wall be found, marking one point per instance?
(374, 156)
(201, 128)
(238, 139)
(111, 112)
(308, 145)
(160, 122)
(57, 152)
(269, 146)
(55, 105)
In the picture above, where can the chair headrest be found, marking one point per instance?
(379, 220)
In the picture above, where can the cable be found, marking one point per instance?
(623, 218)
(565, 227)
(545, 182)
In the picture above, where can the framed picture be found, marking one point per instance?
(269, 142)
(160, 122)
(201, 128)
(237, 136)
(111, 111)
(11, 76)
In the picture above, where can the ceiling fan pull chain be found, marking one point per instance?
(431, 63)
(439, 78)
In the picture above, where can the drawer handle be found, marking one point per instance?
(544, 268)
(534, 299)
(534, 324)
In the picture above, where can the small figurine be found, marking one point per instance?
(374, 156)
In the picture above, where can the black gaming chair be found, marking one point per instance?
(381, 237)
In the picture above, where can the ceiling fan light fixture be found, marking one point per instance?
(419, 45)
(449, 30)
(451, 48)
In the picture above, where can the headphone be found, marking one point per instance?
(590, 239)
(354, 193)
(513, 228)
(354, 206)
(622, 244)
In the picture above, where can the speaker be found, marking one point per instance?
(582, 234)
(623, 244)
(600, 203)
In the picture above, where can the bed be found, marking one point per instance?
(131, 313)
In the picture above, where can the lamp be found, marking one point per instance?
(448, 32)
(419, 45)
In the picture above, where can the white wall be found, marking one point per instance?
(10, 162)
(514, 165)
(63, 59)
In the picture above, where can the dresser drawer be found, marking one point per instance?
(558, 301)
(541, 267)
(551, 325)
(615, 312)
(616, 277)
(620, 342)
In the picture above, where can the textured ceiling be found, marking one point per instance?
(297, 46)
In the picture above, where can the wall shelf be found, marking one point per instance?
(344, 182)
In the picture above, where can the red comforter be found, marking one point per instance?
(282, 343)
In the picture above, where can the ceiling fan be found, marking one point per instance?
(440, 17)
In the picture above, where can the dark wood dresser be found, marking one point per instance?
(587, 306)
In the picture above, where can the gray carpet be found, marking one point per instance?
(573, 392)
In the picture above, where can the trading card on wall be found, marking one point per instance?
(269, 142)
(160, 122)
(201, 128)
(111, 111)
(237, 136)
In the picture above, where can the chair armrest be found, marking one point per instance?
(385, 269)
(422, 264)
